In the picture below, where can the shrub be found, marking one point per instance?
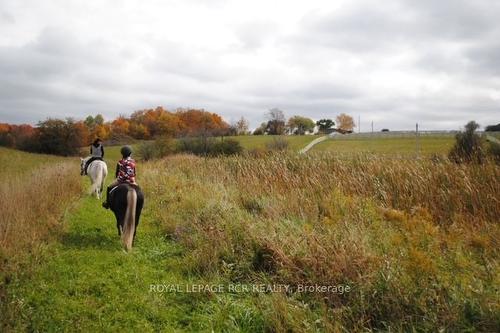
(197, 146)
(210, 146)
(116, 139)
(277, 144)
(468, 146)
(226, 147)
(258, 131)
(494, 151)
(158, 148)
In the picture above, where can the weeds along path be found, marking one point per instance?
(87, 283)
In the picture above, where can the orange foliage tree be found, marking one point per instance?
(62, 136)
(16, 135)
(120, 126)
(345, 122)
(200, 122)
(100, 131)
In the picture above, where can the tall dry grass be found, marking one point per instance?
(417, 241)
(32, 203)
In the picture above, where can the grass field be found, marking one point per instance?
(415, 240)
(15, 162)
(391, 146)
(296, 142)
(427, 145)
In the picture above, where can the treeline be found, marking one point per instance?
(65, 137)
(277, 124)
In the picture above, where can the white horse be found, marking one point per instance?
(97, 171)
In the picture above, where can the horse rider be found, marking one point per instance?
(96, 153)
(125, 172)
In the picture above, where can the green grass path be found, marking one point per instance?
(87, 283)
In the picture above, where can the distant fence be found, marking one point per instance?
(490, 136)
(393, 134)
(401, 134)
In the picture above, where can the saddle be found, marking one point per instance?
(111, 190)
(134, 186)
(92, 159)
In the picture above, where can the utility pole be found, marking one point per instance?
(372, 126)
(359, 124)
(416, 139)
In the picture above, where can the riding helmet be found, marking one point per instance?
(126, 151)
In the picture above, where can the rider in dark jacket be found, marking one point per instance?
(96, 153)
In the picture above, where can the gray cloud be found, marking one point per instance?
(396, 63)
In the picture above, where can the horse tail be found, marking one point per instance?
(129, 221)
(97, 181)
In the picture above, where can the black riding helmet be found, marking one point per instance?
(126, 151)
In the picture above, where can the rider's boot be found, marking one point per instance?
(105, 204)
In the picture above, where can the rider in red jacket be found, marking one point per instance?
(125, 172)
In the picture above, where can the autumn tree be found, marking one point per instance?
(82, 132)
(6, 138)
(16, 136)
(201, 123)
(102, 131)
(299, 125)
(96, 127)
(276, 122)
(345, 122)
(59, 137)
(138, 131)
(153, 123)
(169, 124)
(120, 126)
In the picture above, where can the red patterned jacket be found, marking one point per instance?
(125, 170)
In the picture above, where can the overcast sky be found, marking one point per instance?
(393, 62)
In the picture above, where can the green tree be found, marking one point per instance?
(325, 125)
(99, 119)
(89, 122)
(299, 125)
(260, 130)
